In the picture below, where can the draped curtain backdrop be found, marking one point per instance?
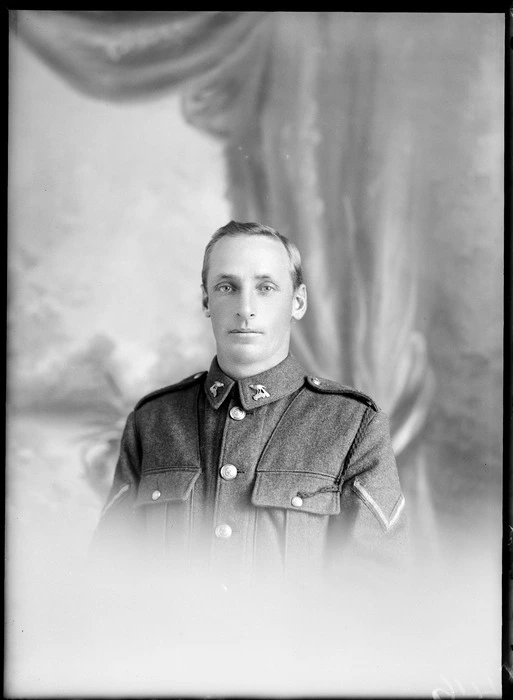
(327, 138)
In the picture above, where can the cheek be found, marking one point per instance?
(219, 314)
(282, 316)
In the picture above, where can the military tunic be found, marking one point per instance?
(280, 472)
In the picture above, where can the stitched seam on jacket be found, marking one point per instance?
(199, 428)
(286, 540)
(217, 489)
(198, 425)
(119, 495)
(165, 552)
(191, 511)
(138, 443)
(368, 500)
(366, 419)
(253, 554)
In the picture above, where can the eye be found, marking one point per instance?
(224, 288)
(267, 288)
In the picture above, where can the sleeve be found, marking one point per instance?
(118, 535)
(372, 503)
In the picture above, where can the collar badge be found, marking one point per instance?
(261, 391)
(214, 388)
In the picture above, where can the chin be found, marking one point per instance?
(246, 354)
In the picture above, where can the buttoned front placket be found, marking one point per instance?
(234, 517)
(237, 421)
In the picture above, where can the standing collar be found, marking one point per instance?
(259, 390)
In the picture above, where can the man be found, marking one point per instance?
(255, 467)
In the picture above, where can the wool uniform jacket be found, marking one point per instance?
(281, 472)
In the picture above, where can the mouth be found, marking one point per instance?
(245, 331)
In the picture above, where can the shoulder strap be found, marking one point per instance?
(188, 381)
(327, 386)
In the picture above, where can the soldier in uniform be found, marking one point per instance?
(254, 467)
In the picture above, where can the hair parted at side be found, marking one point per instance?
(250, 228)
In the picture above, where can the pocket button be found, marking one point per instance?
(223, 532)
(297, 501)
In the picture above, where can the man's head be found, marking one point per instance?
(248, 228)
(252, 289)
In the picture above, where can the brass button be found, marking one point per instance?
(297, 501)
(316, 381)
(155, 495)
(237, 413)
(223, 531)
(229, 472)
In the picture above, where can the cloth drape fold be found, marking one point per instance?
(322, 141)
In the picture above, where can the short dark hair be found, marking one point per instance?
(249, 228)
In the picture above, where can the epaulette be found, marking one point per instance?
(328, 386)
(172, 387)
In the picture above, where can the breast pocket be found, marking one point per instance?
(292, 515)
(300, 491)
(164, 486)
(167, 497)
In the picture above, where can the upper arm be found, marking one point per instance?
(119, 526)
(371, 499)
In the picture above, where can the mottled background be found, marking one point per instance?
(375, 141)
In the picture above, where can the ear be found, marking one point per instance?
(299, 302)
(204, 301)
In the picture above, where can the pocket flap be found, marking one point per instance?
(300, 491)
(170, 485)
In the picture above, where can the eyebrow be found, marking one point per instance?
(236, 278)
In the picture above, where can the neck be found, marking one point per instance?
(236, 370)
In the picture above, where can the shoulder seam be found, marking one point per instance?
(194, 378)
(366, 419)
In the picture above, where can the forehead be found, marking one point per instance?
(249, 256)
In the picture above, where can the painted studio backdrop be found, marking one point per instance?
(374, 141)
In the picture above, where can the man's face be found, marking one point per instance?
(251, 301)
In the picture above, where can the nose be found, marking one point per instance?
(245, 308)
